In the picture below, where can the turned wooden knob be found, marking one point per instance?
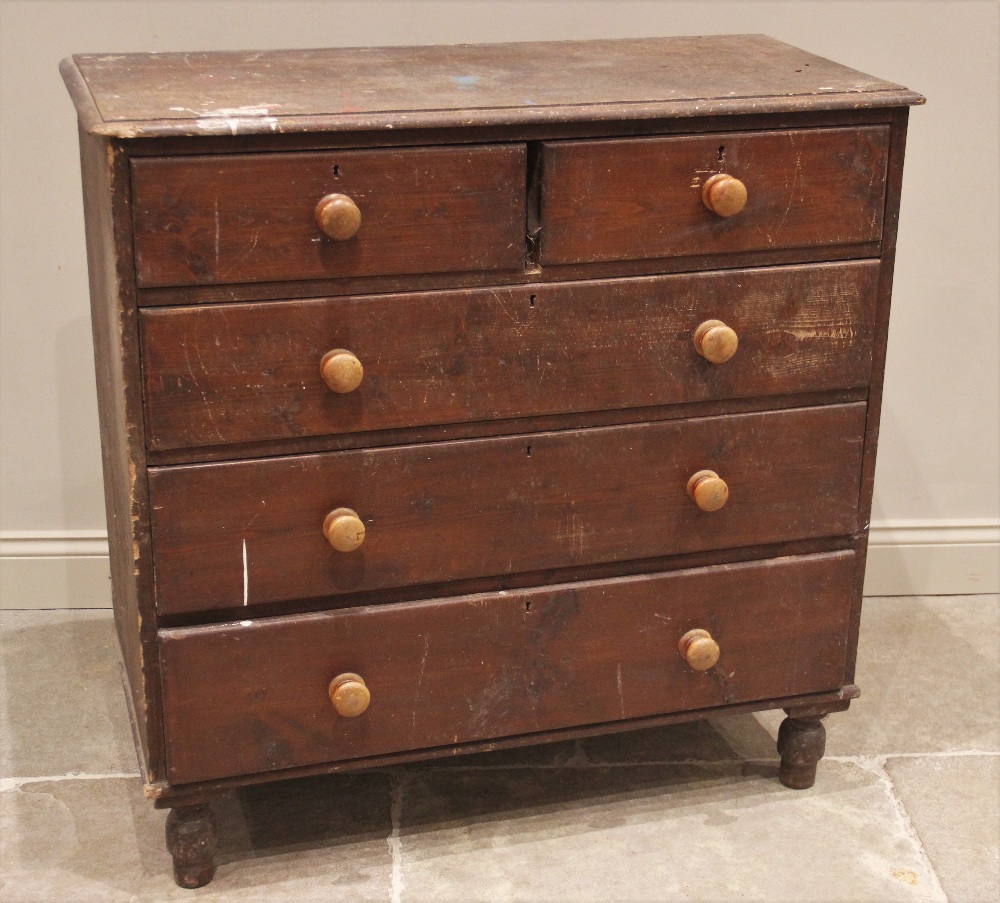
(708, 490)
(341, 370)
(349, 695)
(343, 529)
(715, 341)
(338, 216)
(724, 194)
(698, 649)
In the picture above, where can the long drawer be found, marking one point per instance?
(642, 198)
(234, 373)
(252, 696)
(252, 217)
(241, 534)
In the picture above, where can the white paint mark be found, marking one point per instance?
(394, 840)
(245, 623)
(246, 576)
(8, 784)
(233, 117)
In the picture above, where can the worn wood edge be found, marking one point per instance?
(890, 225)
(856, 603)
(476, 429)
(87, 112)
(183, 145)
(524, 580)
(233, 293)
(132, 717)
(166, 795)
(504, 116)
(114, 319)
(565, 581)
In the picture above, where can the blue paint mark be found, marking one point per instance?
(529, 102)
(464, 82)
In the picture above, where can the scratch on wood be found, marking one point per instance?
(791, 190)
(621, 695)
(246, 575)
(420, 680)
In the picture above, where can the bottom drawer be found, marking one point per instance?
(252, 696)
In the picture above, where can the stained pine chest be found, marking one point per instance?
(475, 396)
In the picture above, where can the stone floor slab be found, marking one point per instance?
(954, 804)
(929, 672)
(643, 834)
(62, 704)
(100, 841)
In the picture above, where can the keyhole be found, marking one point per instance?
(336, 170)
(531, 301)
(722, 152)
(528, 451)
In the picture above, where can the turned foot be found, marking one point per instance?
(801, 743)
(191, 841)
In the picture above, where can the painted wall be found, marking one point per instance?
(937, 497)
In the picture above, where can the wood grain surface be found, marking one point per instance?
(226, 374)
(350, 89)
(247, 217)
(639, 198)
(115, 331)
(252, 696)
(235, 535)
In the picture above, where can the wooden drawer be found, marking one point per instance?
(247, 372)
(248, 533)
(252, 217)
(251, 696)
(642, 198)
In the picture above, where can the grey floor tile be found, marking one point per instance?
(99, 841)
(929, 672)
(954, 804)
(62, 705)
(644, 833)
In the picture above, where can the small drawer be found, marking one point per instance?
(645, 197)
(248, 533)
(255, 696)
(231, 373)
(254, 217)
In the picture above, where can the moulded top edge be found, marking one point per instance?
(242, 92)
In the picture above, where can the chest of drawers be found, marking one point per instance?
(465, 397)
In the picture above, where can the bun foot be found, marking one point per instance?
(192, 841)
(801, 744)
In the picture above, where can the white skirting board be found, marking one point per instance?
(913, 558)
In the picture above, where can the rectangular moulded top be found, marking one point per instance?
(351, 89)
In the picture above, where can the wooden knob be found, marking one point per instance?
(341, 370)
(343, 529)
(724, 194)
(338, 216)
(349, 695)
(698, 649)
(715, 341)
(708, 490)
